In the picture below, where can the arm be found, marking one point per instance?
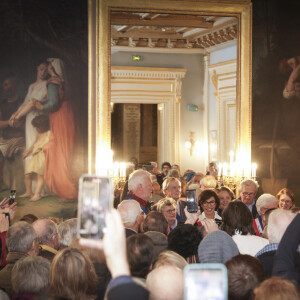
(284, 261)
(3, 124)
(53, 103)
(28, 151)
(114, 245)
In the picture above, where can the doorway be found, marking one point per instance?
(134, 132)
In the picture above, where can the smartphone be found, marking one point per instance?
(205, 282)
(12, 197)
(191, 201)
(95, 199)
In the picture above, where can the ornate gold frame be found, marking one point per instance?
(99, 61)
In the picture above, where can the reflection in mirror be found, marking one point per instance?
(204, 46)
(192, 61)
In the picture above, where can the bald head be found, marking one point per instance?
(47, 232)
(165, 283)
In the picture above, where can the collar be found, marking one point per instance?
(268, 248)
(48, 248)
(130, 229)
(12, 257)
(141, 201)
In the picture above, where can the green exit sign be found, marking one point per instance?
(136, 57)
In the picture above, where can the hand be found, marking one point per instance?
(38, 105)
(209, 225)
(191, 218)
(113, 244)
(25, 154)
(4, 223)
(4, 203)
(11, 122)
(11, 210)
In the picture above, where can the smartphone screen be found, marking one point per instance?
(12, 197)
(205, 282)
(191, 201)
(94, 200)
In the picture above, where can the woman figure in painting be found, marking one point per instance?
(36, 165)
(37, 91)
(58, 150)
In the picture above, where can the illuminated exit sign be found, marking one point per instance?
(136, 57)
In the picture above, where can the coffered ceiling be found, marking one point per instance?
(172, 32)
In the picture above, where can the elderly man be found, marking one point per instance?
(20, 242)
(279, 220)
(172, 189)
(140, 188)
(163, 286)
(248, 190)
(263, 203)
(132, 216)
(47, 234)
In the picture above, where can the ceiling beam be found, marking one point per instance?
(165, 21)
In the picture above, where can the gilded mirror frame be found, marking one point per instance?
(99, 62)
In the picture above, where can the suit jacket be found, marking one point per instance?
(5, 273)
(129, 232)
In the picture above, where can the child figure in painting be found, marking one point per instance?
(36, 166)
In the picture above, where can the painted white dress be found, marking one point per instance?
(39, 92)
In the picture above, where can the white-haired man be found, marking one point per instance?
(279, 220)
(263, 203)
(248, 190)
(162, 286)
(20, 242)
(132, 216)
(140, 188)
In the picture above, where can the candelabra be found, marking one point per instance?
(232, 174)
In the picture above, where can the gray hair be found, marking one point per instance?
(279, 220)
(129, 210)
(30, 275)
(209, 182)
(67, 230)
(3, 295)
(136, 178)
(46, 229)
(264, 200)
(20, 237)
(167, 182)
(248, 182)
(174, 173)
(165, 202)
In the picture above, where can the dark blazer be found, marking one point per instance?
(129, 291)
(267, 260)
(129, 232)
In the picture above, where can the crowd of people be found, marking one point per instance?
(151, 236)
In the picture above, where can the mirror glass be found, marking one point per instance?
(173, 74)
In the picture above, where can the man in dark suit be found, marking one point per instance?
(132, 216)
(248, 190)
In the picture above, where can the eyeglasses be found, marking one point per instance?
(286, 201)
(170, 211)
(248, 194)
(209, 203)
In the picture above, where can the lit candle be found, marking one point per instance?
(225, 169)
(123, 169)
(220, 169)
(116, 169)
(253, 170)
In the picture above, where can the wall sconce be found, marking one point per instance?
(191, 143)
